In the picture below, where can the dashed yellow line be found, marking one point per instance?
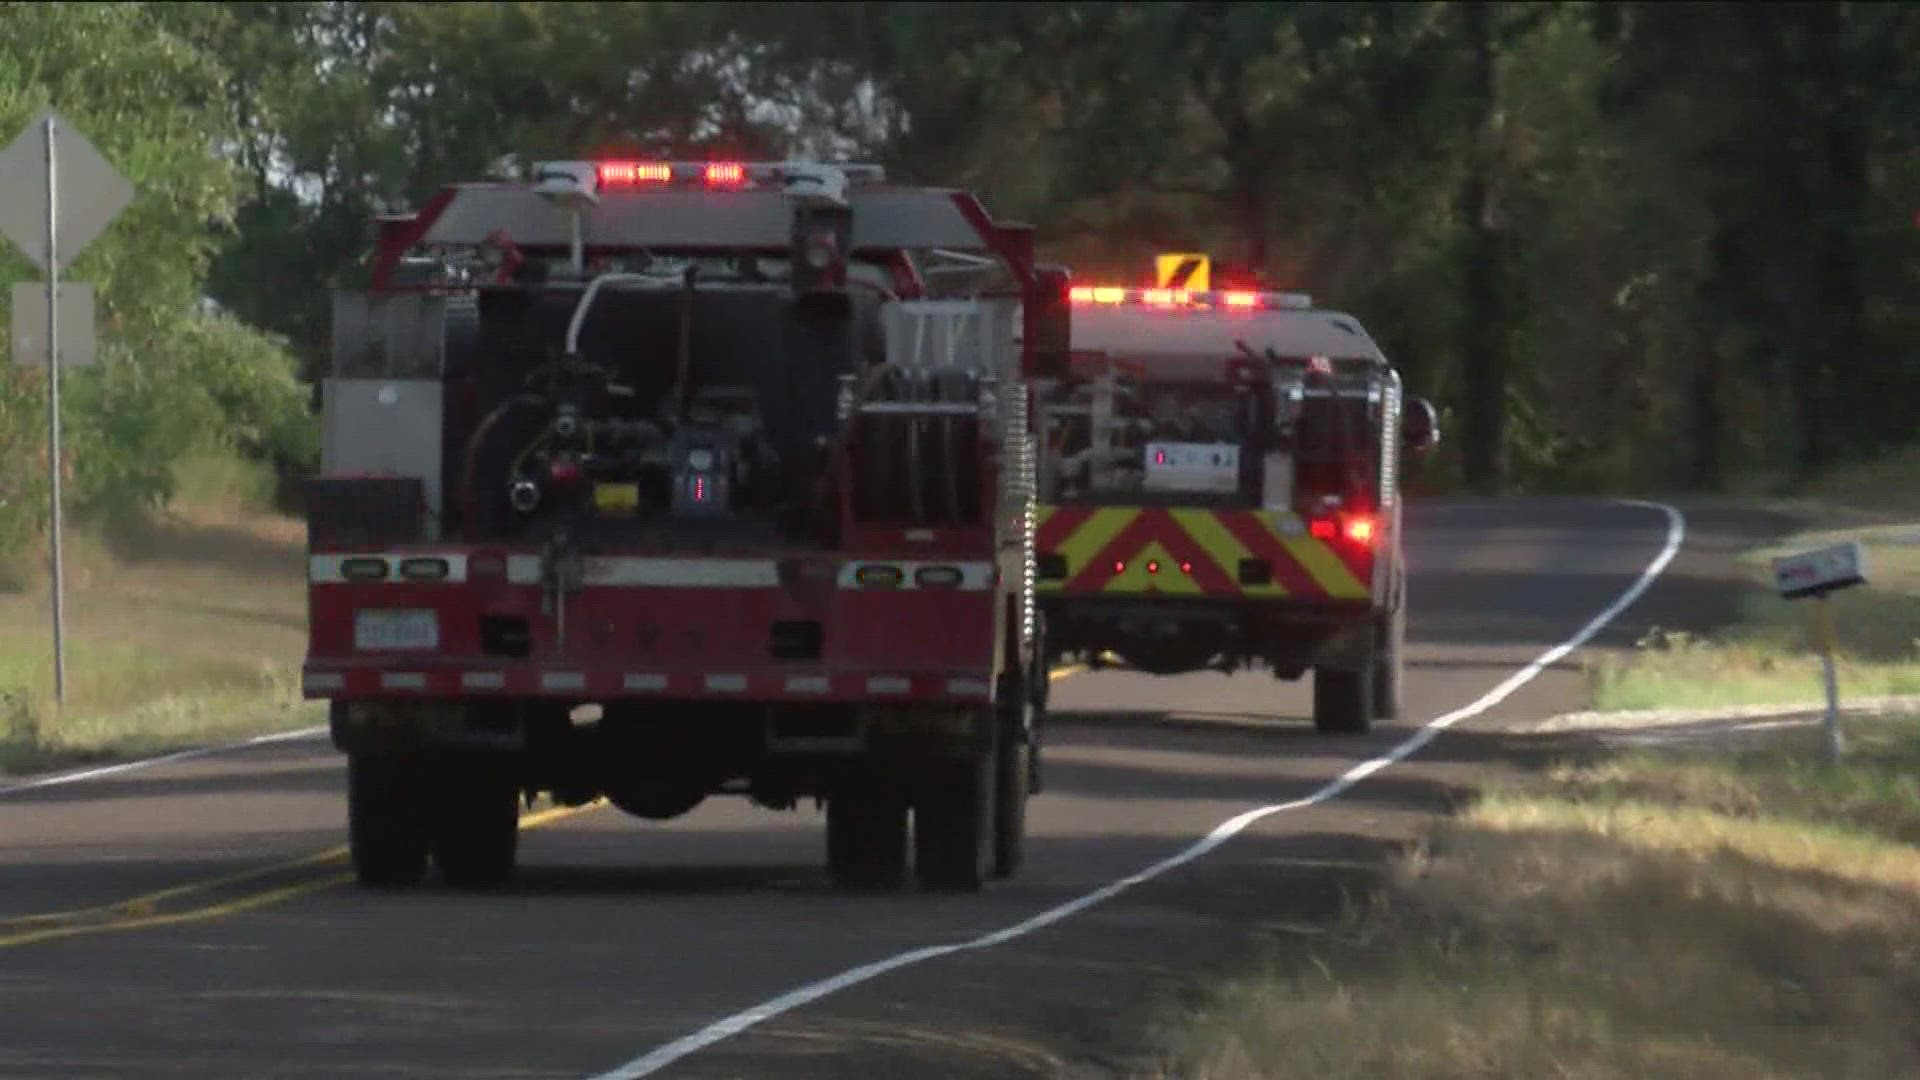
(139, 913)
(143, 912)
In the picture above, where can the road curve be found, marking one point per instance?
(622, 938)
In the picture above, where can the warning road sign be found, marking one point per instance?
(91, 193)
(1179, 271)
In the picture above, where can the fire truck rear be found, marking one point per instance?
(652, 481)
(1219, 488)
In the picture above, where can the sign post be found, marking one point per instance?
(39, 202)
(1815, 574)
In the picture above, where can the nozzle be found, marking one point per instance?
(524, 495)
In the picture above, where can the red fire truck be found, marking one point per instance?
(1219, 487)
(657, 480)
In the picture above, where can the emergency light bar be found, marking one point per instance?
(1185, 299)
(721, 175)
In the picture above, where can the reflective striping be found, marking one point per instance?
(403, 680)
(1108, 550)
(727, 684)
(320, 682)
(325, 569)
(968, 688)
(563, 680)
(666, 573)
(974, 576)
(483, 680)
(645, 682)
(888, 684)
(682, 573)
(808, 684)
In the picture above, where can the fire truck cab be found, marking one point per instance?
(650, 481)
(1219, 487)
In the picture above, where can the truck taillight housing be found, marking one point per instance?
(1355, 529)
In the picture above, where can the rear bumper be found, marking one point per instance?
(437, 678)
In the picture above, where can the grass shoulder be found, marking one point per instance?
(183, 627)
(1707, 913)
(1766, 656)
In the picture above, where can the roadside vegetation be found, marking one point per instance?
(184, 626)
(1698, 913)
(1767, 656)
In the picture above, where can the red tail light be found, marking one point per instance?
(1323, 529)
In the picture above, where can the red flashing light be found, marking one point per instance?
(1159, 457)
(700, 489)
(725, 174)
(630, 173)
(1323, 529)
(1167, 297)
(1360, 529)
(1081, 294)
(1109, 295)
(1241, 299)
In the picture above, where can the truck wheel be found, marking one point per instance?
(1389, 662)
(476, 827)
(866, 836)
(953, 824)
(386, 828)
(1343, 699)
(1013, 766)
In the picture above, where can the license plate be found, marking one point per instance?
(388, 631)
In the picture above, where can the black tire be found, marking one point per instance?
(386, 821)
(866, 836)
(1014, 767)
(476, 826)
(1343, 699)
(953, 824)
(1389, 663)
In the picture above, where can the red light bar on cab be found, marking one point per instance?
(1185, 299)
(629, 175)
(724, 173)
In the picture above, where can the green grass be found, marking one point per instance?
(1767, 656)
(183, 628)
(1696, 913)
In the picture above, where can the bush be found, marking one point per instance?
(197, 381)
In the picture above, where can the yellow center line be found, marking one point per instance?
(138, 912)
(142, 912)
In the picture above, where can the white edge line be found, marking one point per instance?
(164, 759)
(655, 1060)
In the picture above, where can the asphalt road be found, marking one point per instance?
(622, 937)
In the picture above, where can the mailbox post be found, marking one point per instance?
(1814, 575)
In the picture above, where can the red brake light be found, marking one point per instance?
(725, 173)
(629, 173)
(1242, 299)
(1323, 529)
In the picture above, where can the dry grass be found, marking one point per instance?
(182, 628)
(1750, 916)
(1768, 657)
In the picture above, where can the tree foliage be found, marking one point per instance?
(1622, 244)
